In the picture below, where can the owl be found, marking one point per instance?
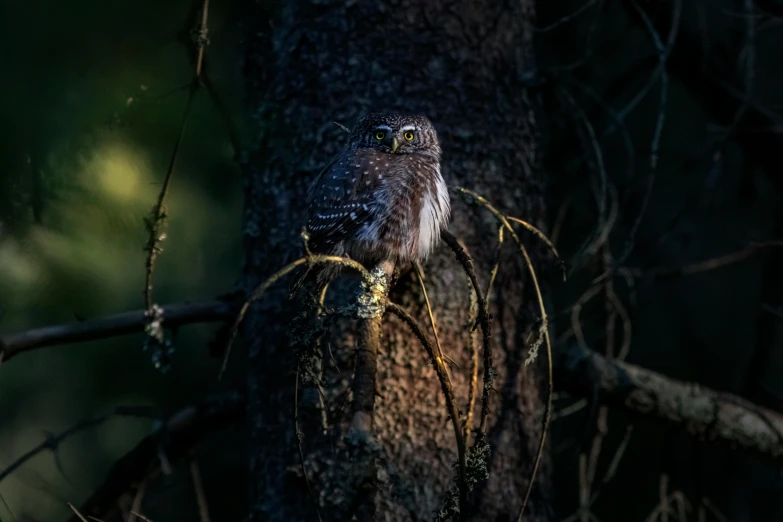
(383, 197)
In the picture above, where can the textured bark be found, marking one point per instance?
(463, 65)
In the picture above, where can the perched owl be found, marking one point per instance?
(383, 197)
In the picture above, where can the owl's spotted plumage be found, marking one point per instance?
(383, 197)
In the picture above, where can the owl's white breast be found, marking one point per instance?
(435, 210)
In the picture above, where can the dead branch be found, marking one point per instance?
(704, 413)
(124, 323)
(175, 439)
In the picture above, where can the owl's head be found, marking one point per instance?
(395, 133)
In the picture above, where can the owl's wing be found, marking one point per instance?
(340, 200)
(317, 181)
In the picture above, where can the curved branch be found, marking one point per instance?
(486, 327)
(544, 329)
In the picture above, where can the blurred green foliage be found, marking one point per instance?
(91, 109)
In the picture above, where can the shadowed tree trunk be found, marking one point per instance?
(462, 64)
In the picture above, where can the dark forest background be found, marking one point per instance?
(91, 102)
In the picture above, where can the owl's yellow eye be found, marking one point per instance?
(380, 135)
(408, 135)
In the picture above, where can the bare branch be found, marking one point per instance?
(124, 323)
(53, 442)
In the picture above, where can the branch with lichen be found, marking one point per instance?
(155, 222)
(370, 308)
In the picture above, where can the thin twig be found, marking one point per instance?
(713, 509)
(542, 237)
(52, 442)
(448, 393)
(614, 464)
(484, 320)
(749, 52)
(576, 311)
(472, 319)
(138, 498)
(496, 265)
(157, 217)
(420, 276)
(576, 407)
(663, 54)
(145, 519)
(567, 18)
(76, 512)
(599, 158)
(7, 507)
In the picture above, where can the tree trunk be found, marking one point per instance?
(464, 65)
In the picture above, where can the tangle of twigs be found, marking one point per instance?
(544, 328)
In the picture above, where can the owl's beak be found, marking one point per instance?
(394, 144)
